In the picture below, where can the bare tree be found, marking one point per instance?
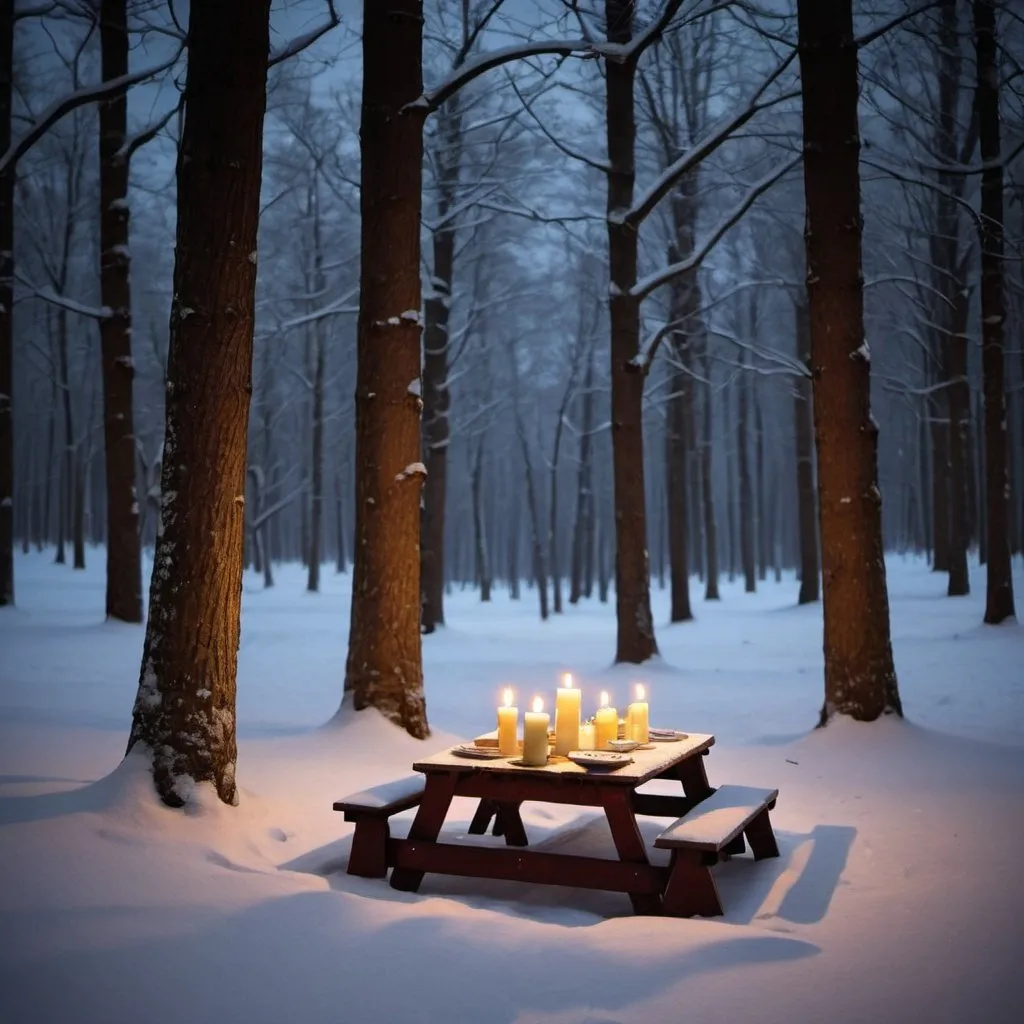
(999, 604)
(385, 667)
(6, 310)
(184, 713)
(860, 678)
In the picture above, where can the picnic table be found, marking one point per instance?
(711, 825)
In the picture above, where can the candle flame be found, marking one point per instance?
(640, 692)
(567, 680)
(538, 705)
(604, 698)
(508, 697)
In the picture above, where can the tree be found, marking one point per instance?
(385, 667)
(635, 634)
(124, 560)
(860, 678)
(999, 583)
(184, 713)
(6, 311)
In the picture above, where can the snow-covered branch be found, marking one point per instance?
(82, 97)
(646, 285)
(63, 302)
(307, 39)
(466, 72)
(135, 142)
(650, 198)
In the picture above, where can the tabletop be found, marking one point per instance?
(646, 764)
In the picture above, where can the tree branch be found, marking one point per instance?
(82, 97)
(646, 285)
(307, 39)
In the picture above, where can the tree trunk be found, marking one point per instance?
(860, 679)
(803, 418)
(536, 547)
(67, 463)
(341, 559)
(678, 513)
(436, 393)
(316, 454)
(731, 548)
(483, 566)
(999, 585)
(707, 483)
(185, 708)
(385, 665)
(124, 552)
(6, 311)
(746, 504)
(583, 532)
(763, 519)
(635, 633)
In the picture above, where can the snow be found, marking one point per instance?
(897, 896)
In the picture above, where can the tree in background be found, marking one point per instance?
(6, 310)
(999, 587)
(124, 556)
(385, 666)
(184, 714)
(860, 678)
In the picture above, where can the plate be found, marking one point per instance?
(479, 753)
(666, 735)
(599, 758)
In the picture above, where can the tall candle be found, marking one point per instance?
(637, 718)
(535, 734)
(567, 717)
(508, 727)
(606, 724)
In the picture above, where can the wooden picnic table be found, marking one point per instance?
(502, 787)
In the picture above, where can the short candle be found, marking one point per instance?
(606, 724)
(508, 727)
(535, 734)
(637, 723)
(588, 734)
(567, 717)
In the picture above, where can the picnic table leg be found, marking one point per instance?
(510, 823)
(761, 836)
(691, 887)
(482, 818)
(694, 778)
(618, 809)
(437, 798)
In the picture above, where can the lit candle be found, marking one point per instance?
(508, 726)
(588, 735)
(535, 734)
(637, 724)
(567, 717)
(606, 724)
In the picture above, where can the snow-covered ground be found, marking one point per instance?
(899, 895)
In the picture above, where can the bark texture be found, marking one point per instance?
(635, 633)
(185, 708)
(385, 666)
(999, 583)
(124, 555)
(860, 678)
(6, 311)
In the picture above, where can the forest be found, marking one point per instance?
(654, 294)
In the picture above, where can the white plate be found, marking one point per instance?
(623, 746)
(479, 753)
(599, 758)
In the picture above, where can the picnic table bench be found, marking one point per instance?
(711, 825)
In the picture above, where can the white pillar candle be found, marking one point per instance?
(567, 717)
(508, 727)
(588, 740)
(606, 724)
(535, 734)
(637, 718)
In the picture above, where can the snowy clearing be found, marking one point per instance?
(898, 895)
